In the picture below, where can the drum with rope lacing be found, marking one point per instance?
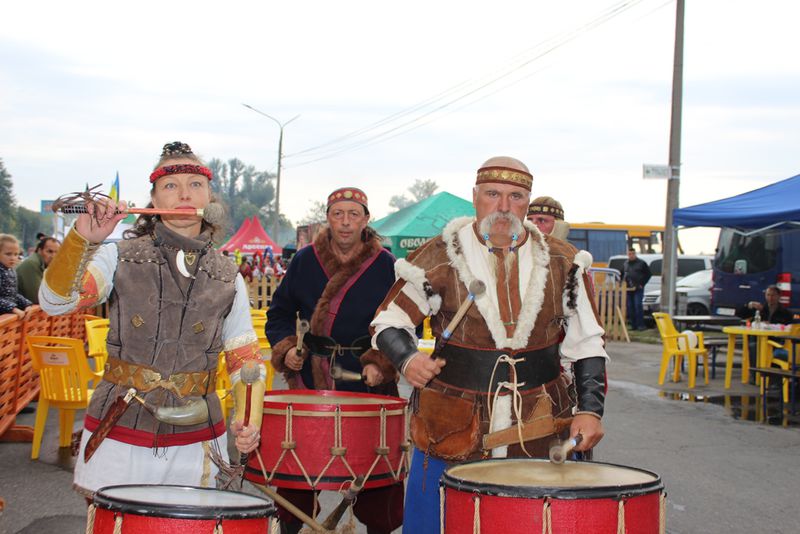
(531, 495)
(325, 439)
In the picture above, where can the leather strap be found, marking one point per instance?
(146, 379)
(471, 368)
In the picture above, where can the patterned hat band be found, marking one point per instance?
(351, 194)
(556, 212)
(504, 175)
(182, 168)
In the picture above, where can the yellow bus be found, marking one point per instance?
(605, 240)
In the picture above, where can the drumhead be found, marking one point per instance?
(333, 398)
(534, 478)
(184, 502)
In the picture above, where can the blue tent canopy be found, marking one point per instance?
(772, 205)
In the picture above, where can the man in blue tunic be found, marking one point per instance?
(337, 284)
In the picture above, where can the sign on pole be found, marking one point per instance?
(655, 171)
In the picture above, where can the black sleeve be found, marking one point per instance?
(590, 383)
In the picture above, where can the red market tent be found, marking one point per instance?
(250, 238)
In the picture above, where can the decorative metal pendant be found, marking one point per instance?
(181, 262)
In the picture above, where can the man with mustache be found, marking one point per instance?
(506, 350)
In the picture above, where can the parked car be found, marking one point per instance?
(695, 289)
(747, 264)
(687, 264)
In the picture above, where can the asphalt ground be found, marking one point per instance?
(724, 471)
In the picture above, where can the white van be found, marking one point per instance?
(687, 264)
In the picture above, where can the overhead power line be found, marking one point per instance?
(433, 108)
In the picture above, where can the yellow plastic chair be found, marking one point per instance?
(261, 313)
(64, 377)
(263, 344)
(676, 345)
(96, 334)
(789, 348)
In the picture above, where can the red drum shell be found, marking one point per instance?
(313, 423)
(167, 509)
(504, 507)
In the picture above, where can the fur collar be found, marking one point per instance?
(534, 296)
(338, 272)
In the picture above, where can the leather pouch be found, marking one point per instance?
(446, 426)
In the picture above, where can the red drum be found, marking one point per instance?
(168, 509)
(526, 495)
(324, 439)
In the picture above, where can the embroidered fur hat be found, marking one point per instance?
(546, 206)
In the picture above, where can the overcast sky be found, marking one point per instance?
(578, 90)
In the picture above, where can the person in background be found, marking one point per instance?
(636, 273)
(175, 303)
(30, 271)
(246, 271)
(11, 301)
(547, 215)
(770, 311)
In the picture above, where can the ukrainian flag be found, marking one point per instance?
(114, 194)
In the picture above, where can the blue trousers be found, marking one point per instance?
(635, 308)
(422, 494)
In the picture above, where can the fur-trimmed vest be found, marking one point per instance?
(442, 271)
(166, 321)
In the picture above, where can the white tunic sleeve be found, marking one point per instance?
(584, 336)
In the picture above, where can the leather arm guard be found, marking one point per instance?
(590, 382)
(397, 344)
(64, 274)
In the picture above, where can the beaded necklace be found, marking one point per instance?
(492, 248)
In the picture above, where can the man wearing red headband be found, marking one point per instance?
(505, 352)
(174, 304)
(337, 284)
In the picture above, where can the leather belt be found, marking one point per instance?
(144, 379)
(471, 368)
(327, 346)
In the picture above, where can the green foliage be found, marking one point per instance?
(317, 213)
(245, 192)
(421, 190)
(16, 220)
(8, 223)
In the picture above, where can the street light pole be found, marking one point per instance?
(276, 223)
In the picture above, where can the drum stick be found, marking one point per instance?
(347, 499)
(559, 452)
(337, 373)
(249, 374)
(476, 288)
(294, 510)
(302, 326)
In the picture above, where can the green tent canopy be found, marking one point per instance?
(408, 228)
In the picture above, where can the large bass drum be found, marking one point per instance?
(324, 439)
(166, 509)
(528, 495)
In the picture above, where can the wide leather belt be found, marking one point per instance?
(471, 368)
(327, 346)
(145, 379)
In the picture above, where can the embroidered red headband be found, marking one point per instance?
(352, 194)
(182, 168)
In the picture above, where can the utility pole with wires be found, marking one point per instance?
(669, 271)
(277, 222)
